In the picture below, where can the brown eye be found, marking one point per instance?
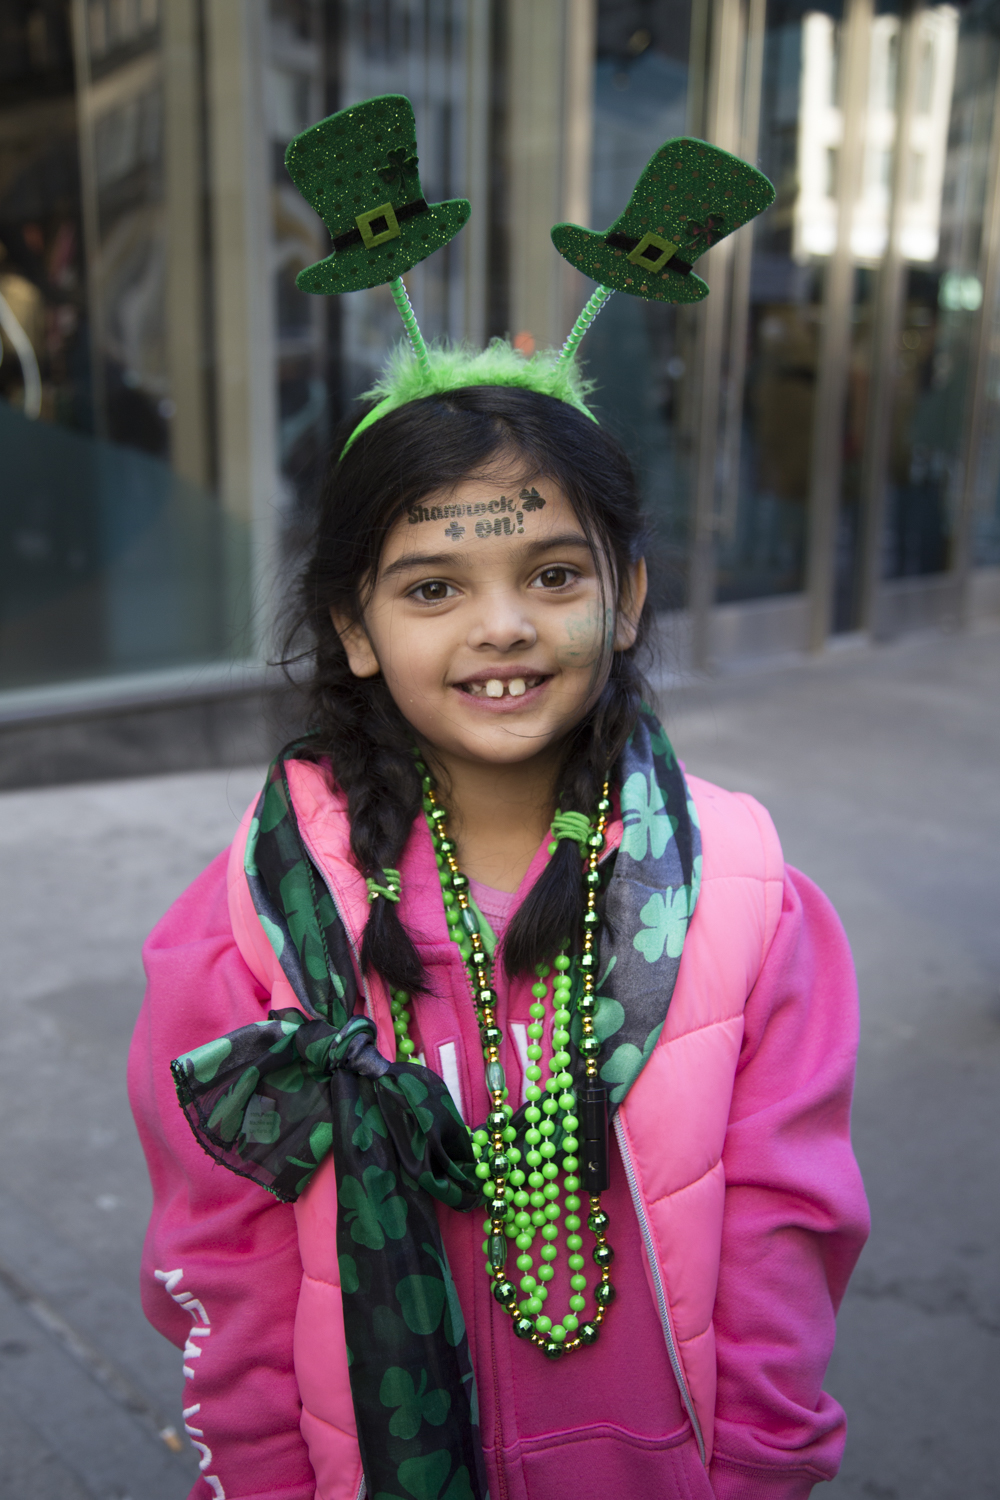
(554, 578)
(432, 592)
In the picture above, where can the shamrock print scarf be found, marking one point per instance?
(272, 1100)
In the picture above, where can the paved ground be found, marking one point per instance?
(881, 770)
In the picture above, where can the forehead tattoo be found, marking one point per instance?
(501, 517)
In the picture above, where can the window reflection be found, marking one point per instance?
(112, 549)
(940, 241)
(928, 190)
(763, 537)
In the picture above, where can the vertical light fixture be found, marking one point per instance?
(241, 240)
(722, 126)
(184, 321)
(550, 65)
(888, 314)
(835, 330)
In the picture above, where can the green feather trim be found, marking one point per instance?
(452, 367)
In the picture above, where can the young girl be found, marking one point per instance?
(477, 911)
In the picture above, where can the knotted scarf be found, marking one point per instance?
(271, 1100)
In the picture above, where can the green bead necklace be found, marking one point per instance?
(523, 1204)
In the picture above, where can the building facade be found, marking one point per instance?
(819, 442)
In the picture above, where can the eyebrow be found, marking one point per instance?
(431, 560)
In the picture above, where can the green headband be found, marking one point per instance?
(450, 368)
(359, 169)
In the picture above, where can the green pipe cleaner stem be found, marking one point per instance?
(595, 302)
(409, 317)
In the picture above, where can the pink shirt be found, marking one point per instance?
(496, 906)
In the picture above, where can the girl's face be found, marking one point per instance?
(491, 621)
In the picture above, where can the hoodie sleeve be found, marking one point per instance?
(796, 1217)
(221, 1269)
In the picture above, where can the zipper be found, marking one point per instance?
(661, 1296)
(647, 1236)
(497, 1417)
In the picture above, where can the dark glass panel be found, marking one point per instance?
(638, 352)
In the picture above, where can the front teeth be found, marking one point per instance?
(494, 688)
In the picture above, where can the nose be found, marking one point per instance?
(502, 624)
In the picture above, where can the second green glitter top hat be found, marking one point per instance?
(359, 170)
(690, 196)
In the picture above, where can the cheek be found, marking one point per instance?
(410, 661)
(585, 637)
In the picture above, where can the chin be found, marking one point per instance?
(510, 747)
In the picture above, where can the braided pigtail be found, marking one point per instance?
(382, 802)
(370, 746)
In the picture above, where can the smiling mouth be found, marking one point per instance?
(495, 687)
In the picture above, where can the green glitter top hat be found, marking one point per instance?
(690, 196)
(359, 170)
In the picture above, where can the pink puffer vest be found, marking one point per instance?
(682, 1097)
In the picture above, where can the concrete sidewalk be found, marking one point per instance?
(84, 873)
(882, 771)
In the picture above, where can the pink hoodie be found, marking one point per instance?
(223, 1270)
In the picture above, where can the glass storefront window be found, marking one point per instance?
(825, 429)
(880, 158)
(116, 557)
(763, 522)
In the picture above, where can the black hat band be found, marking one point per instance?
(627, 243)
(380, 224)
